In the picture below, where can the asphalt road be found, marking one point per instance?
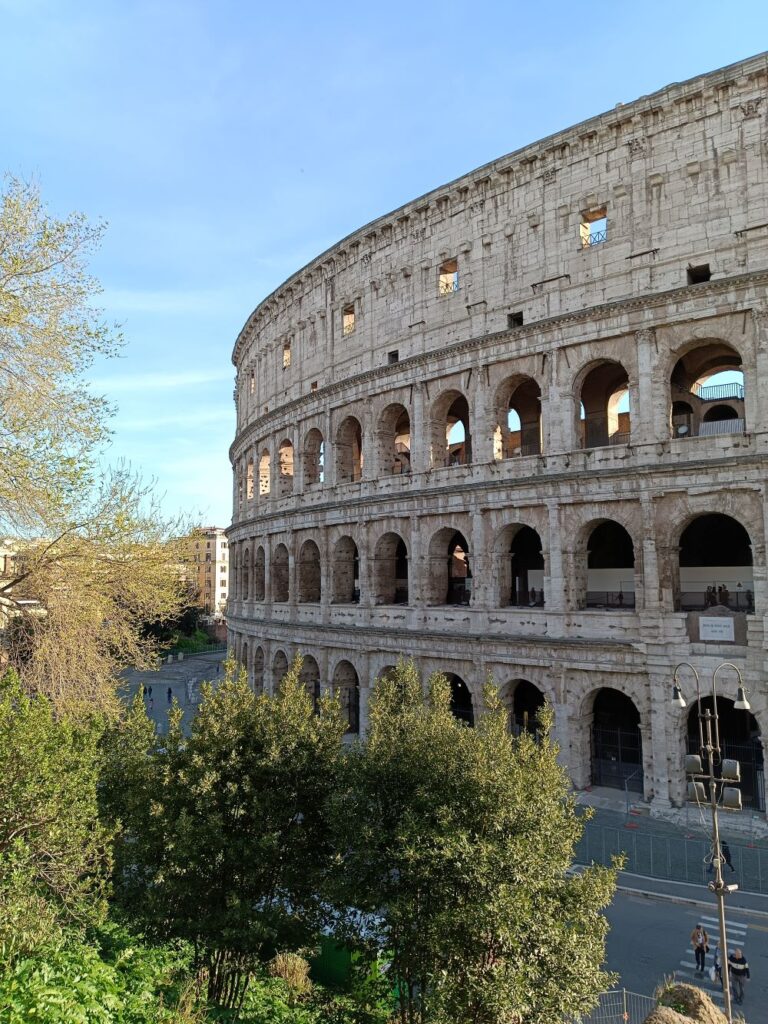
(650, 940)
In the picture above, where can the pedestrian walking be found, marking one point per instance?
(727, 855)
(700, 943)
(739, 972)
(716, 972)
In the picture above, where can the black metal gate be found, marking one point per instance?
(750, 757)
(617, 758)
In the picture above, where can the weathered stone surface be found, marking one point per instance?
(332, 516)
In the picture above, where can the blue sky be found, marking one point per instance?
(228, 143)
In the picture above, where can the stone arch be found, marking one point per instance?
(349, 451)
(246, 574)
(249, 479)
(716, 407)
(740, 740)
(285, 468)
(610, 565)
(519, 566)
(461, 699)
(449, 419)
(523, 701)
(603, 389)
(449, 579)
(393, 440)
(259, 573)
(279, 668)
(258, 670)
(345, 572)
(616, 743)
(314, 458)
(264, 473)
(518, 430)
(346, 685)
(279, 571)
(390, 570)
(310, 576)
(309, 677)
(715, 564)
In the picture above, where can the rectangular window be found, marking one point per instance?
(286, 354)
(514, 320)
(313, 386)
(594, 227)
(448, 277)
(393, 357)
(348, 319)
(700, 274)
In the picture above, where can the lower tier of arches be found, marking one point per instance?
(614, 719)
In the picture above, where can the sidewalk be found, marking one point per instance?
(664, 850)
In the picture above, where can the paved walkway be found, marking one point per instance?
(179, 680)
(678, 851)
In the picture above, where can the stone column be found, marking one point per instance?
(419, 431)
(647, 401)
(665, 769)
(554, 582)
(481, 562)
(651, 586)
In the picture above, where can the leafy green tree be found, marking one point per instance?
(53, 848)
(224, 839)
(92, 558)
(454, 847)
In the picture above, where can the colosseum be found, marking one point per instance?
(519, 427)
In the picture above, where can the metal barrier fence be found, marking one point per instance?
(670, 857)
(619, 1007)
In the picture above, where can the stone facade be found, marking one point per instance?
(478, 431)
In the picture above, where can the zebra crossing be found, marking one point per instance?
(737, 938)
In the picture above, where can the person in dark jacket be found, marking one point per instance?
(727, 855)
(739, 971)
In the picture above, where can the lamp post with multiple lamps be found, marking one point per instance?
(700, 769)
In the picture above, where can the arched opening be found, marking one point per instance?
(346, 686)
(309, 677)
(258, 574)
(264, 473)
(309, 573)
(390, 570)
(523, 575)
(518, 420)
(346, 572)
(279, 668)
(394, 441)
(279, 573)
(449, 580)
(739, 740)
(610, 567)
(249, 480)
(314, 458)
(605, 412)
(617, 746)
(285, 477)
(716, 565)
(349, 451)
(258, 670)
(461, 699)
(450, 433)
(244, 661)
(523, 701)
(246, 575)
(709, 381)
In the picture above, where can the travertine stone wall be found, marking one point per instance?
(321, 495)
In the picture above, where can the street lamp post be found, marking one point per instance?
(709, 752)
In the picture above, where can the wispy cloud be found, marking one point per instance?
(140, 382)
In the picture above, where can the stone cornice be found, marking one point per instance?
(646, 301)
(623, 120)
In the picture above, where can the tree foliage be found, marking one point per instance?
(225, 841)
(93, 560)
(53, 847)
(454, 847)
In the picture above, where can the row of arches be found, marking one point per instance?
(714, 568)
(616, 752)
(706, 396)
